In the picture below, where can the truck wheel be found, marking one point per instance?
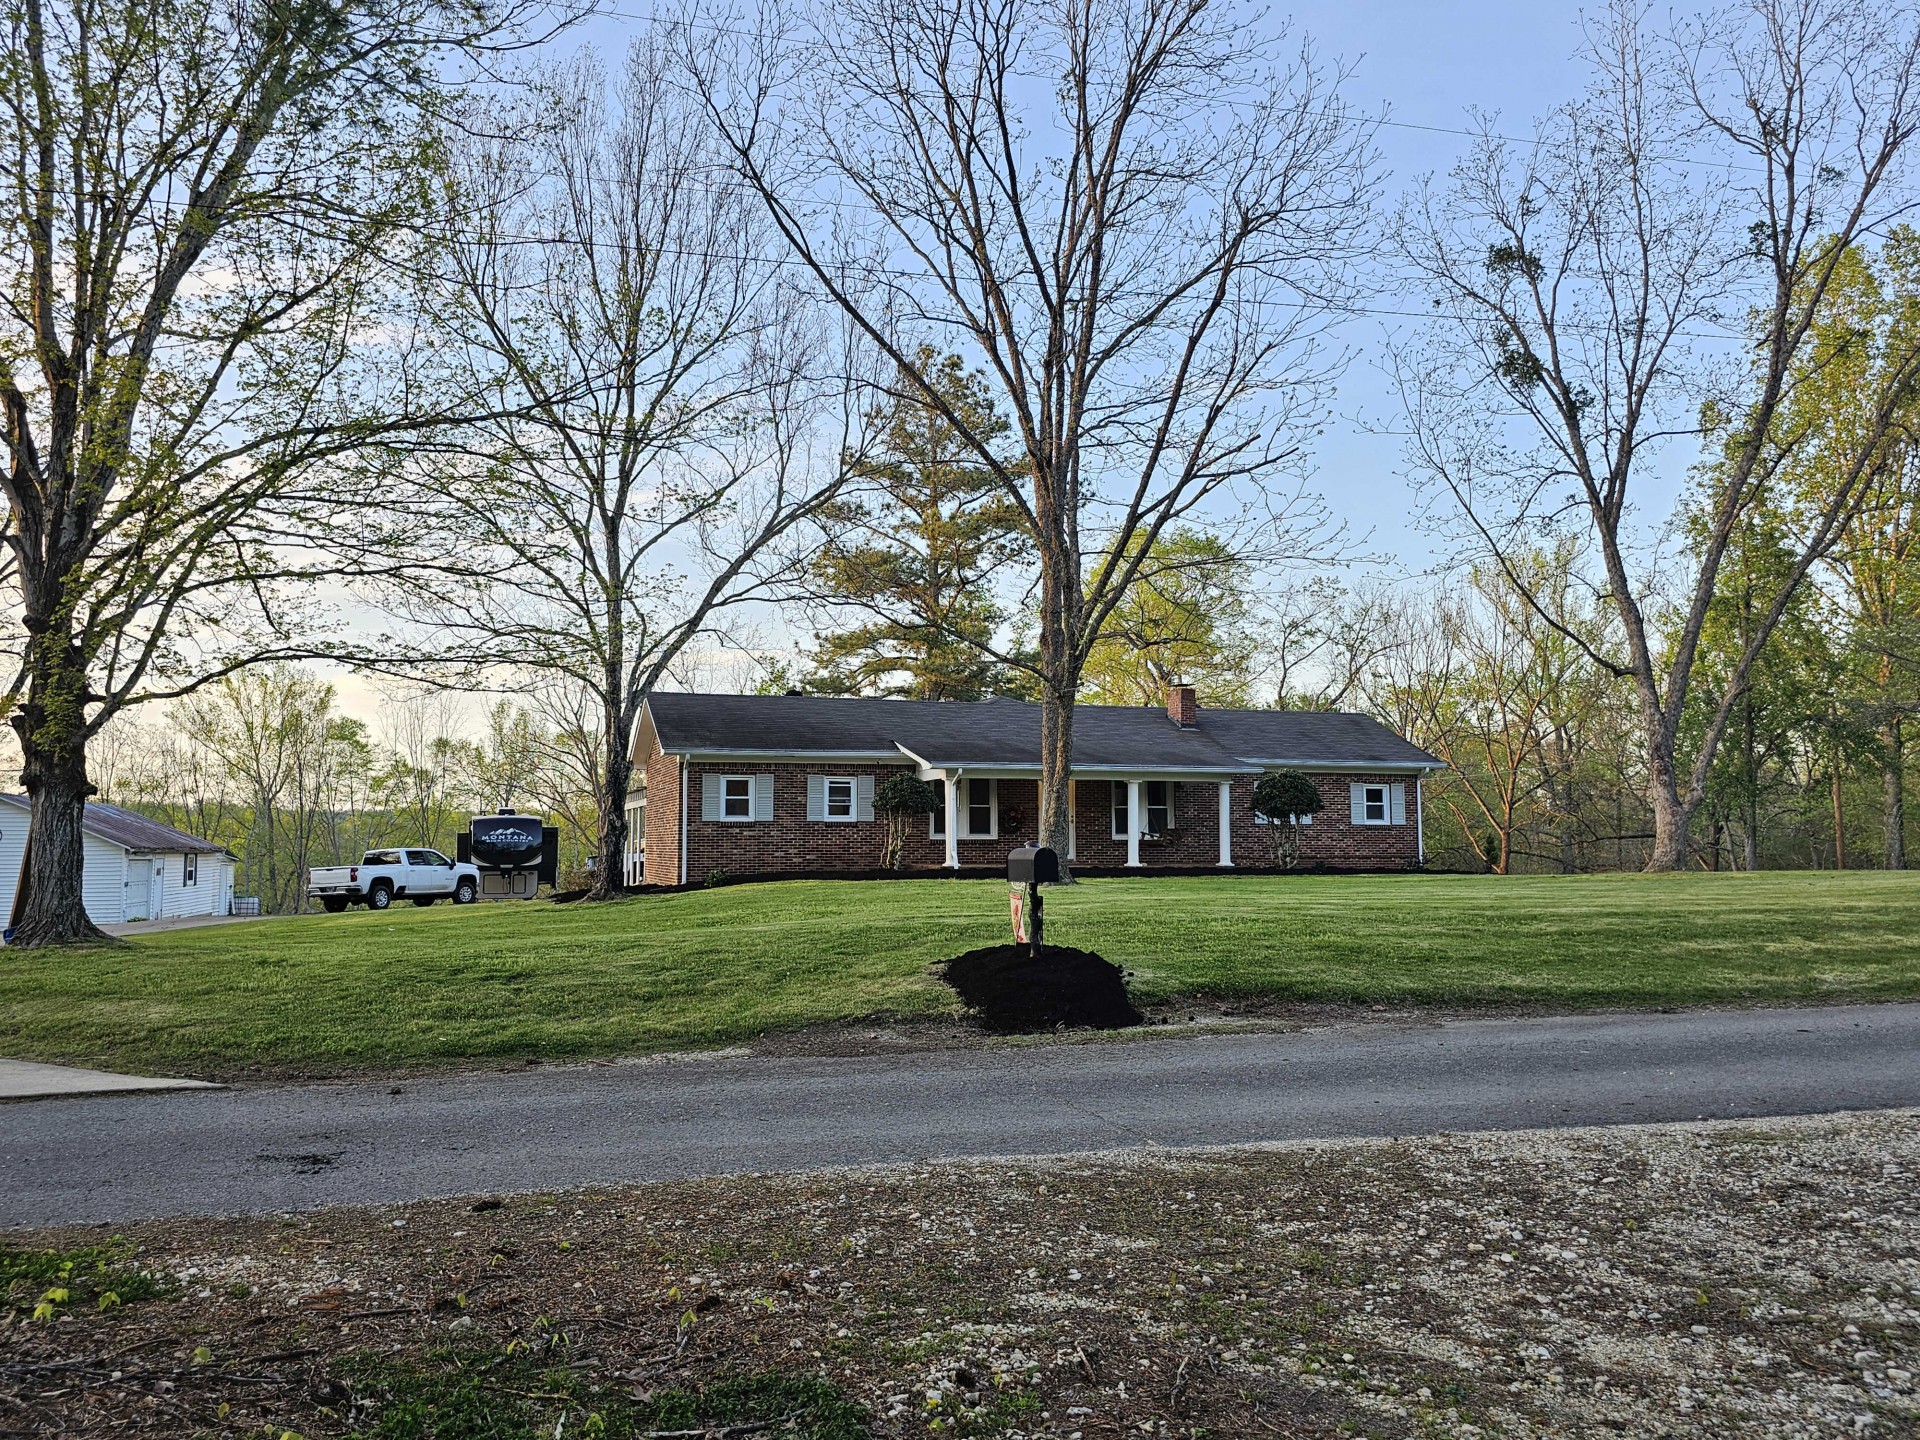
(380, 897)
(464, 893)
(334, 904)
(423, 901)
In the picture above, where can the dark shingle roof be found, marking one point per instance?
(136, 832)
(1310, 737)
(1007, 733)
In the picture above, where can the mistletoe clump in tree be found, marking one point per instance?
(1283, 796)
(899, 798)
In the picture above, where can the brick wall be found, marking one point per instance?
(662, 861)
(1332, 839)
(791, 842)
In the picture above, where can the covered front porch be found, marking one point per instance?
(1133, 818)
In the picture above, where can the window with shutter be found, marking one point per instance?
(1372, 805)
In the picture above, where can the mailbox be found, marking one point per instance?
(1033, 865)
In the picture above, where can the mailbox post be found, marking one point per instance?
(1031, 866)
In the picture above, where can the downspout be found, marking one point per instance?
(1420, 816)
(683, 819)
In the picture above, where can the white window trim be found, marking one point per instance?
(189, 869)
(936, 828)
(993, 802)
(1366, 804)
(1114, 811)
(1146, 807)
(826, 799)
(1306, 819)
(724, 818)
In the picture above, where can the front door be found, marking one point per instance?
(157, 890)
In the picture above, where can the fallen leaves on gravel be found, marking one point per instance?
(1721, 1279)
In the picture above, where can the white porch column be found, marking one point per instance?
(1073, 824)
(953, 821)
(1136, 805)
(1226, 824)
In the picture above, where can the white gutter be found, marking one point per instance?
(1420, 816)
(683, 819)
(788, 757)
(1346, 767)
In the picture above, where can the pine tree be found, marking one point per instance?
(921, 545)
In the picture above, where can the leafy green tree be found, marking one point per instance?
(1876, 562)
(919, 546)
(1785, 703)
(1282, 797)
(203, 204)
(1186, 619)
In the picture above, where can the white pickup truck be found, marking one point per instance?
(384, 876)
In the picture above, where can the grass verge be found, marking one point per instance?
(445, 986)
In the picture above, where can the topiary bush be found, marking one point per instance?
(1282, 797)
(900, 798)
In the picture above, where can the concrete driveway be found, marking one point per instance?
(297, 1147)
(176, 922)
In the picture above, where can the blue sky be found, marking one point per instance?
(1431, 65)
(1418, 65)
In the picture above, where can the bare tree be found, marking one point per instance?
(421, 779)
(652, 468)
(1134, 214)
(200, 202)
(265, 727)
(1652, 266)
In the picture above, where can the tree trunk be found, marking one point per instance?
(1894, 781)
(1839, 825)
(1056, 770)
(1753, 789)
(1672, 826)
(1060, 685)
(610, 878)
(52, 734)
(1672, 814)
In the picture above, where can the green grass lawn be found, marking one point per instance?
(443, 985)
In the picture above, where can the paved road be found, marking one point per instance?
(289, 1148)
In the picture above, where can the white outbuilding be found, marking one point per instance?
(133, 868)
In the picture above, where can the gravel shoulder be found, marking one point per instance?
(1752, 1278)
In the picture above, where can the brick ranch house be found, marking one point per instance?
(773, 784)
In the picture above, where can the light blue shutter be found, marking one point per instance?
(1357, 804)
(713, 791)
(763, 797)
(1397, 803)
(863, 797)
(816, 797)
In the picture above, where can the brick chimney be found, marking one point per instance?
(1182, 707)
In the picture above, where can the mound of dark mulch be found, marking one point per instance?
(1013, 993)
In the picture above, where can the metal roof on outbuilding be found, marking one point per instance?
(1005, 734)
(134, 832)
